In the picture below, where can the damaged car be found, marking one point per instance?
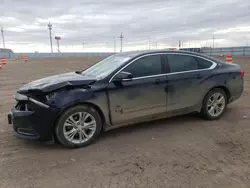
(125, 88)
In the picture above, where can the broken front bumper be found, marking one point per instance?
(32, 119)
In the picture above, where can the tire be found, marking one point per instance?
(206, 109)
(66, 127)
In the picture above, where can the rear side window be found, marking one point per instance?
(145, 66)
(203, 64)
(180, 63)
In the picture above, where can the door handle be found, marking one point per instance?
(157, 81)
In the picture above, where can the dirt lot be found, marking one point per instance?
(184, 151)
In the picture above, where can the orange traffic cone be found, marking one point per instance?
(229, 58)
(3, 60)
(26, 58)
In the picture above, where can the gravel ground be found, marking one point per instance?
(183, 151)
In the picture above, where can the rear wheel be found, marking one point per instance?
(78, 126)
(214, 104)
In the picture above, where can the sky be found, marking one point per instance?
(96, 25)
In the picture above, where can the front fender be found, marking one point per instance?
(68, 98)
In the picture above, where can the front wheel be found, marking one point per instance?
(214, 104)
(78, 126)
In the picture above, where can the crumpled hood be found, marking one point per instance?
(51, 83)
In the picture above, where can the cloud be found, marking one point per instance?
(99, 23)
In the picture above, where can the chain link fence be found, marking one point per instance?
(235, 51)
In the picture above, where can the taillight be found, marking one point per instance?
(242, 73)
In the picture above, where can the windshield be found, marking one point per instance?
(106, 66)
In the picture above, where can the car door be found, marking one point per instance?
(184, 82)
(143, 95)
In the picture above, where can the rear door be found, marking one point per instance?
(184, 81)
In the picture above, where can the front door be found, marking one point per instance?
(141, 97)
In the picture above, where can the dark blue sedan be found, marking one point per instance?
(125, 88)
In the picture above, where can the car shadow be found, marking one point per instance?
(121, 131)
(172, 122)
(153, 126)
(169, 123)
(52, 145)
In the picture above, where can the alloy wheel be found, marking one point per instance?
(216, 104)
(79, 127)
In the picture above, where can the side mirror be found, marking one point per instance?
(123, 76)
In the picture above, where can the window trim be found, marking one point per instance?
(198, 61)
(161, 64)
(214, 64)
(195, 58)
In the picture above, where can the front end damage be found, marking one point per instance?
(40, 102)
(32, 119)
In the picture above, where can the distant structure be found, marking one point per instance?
(6, 50)
(192, 49)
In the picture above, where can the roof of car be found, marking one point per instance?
(144, 52)
(133, 54)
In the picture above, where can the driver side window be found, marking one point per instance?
(145, 66)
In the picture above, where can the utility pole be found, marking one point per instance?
(179, 44)
(149, 43)
(58, 46)
(50, 28)
(3, 37)
(83, 45)
(213, 41)
(114, 45)
(121, 37)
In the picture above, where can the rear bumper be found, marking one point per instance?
(234, 98)
(236, 94)
(35, 124)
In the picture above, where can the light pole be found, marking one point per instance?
(50, 28)
(3, 37)
(114, 45)
(83, 46)
(149, 43)
(121, 37)
(213, 41)
(58, 45)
